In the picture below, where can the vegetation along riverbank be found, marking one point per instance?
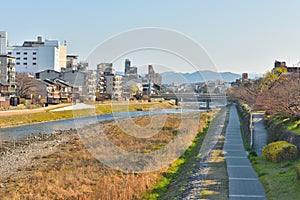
(58, 166)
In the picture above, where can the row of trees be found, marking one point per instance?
(276, 93)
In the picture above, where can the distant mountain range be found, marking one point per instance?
(199, 76)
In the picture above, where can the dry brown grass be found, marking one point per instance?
(216, 183)
(73, 173)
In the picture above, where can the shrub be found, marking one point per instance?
(252, 153)
(279, 151)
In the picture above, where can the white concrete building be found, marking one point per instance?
(36, 56)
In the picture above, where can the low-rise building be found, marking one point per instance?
(289, 70)
(47, 74)
(58, 91)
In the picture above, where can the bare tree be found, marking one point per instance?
(283, 97)
(277, 93)
(247, 93)
(28, 86)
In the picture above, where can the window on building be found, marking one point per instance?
(18, 53)
(34, 63)
(25, 53)
(18, 58)
(24, 63)
(34, 53)
(25, 58)
(9, 53)
(34, 58)
(17, 63)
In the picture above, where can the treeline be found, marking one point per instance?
(277, 92)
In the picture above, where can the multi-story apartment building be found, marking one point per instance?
(152, 82)
(83, 82)
(35, 56)
(72, 61)
(112, 81)
(7, 75)
(3, 42)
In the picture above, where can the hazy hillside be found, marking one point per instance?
(200, 76)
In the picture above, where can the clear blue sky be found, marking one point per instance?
(239, 35)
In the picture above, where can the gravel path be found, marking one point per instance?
(189, 184)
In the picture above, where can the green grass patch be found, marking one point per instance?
(279, 179)
(292, 125)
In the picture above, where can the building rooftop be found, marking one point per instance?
(72, 56)
(33, 44)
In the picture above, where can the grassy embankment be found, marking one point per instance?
(279, 179)
(287, 123)
(7, 121)
(73, 173)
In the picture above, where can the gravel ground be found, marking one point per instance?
(17, 157)
(190, 183)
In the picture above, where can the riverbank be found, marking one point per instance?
(21, 117)
(58, 166)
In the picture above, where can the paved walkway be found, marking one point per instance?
(260, 134)
(243, 180)
(30, 111)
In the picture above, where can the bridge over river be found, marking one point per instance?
(193, 98)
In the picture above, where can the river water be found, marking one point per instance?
(23, 131)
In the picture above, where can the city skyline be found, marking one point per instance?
(238, 36)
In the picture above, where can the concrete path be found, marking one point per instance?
(6, 113)
(260, 134)
(243, 180)
(78, 106)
